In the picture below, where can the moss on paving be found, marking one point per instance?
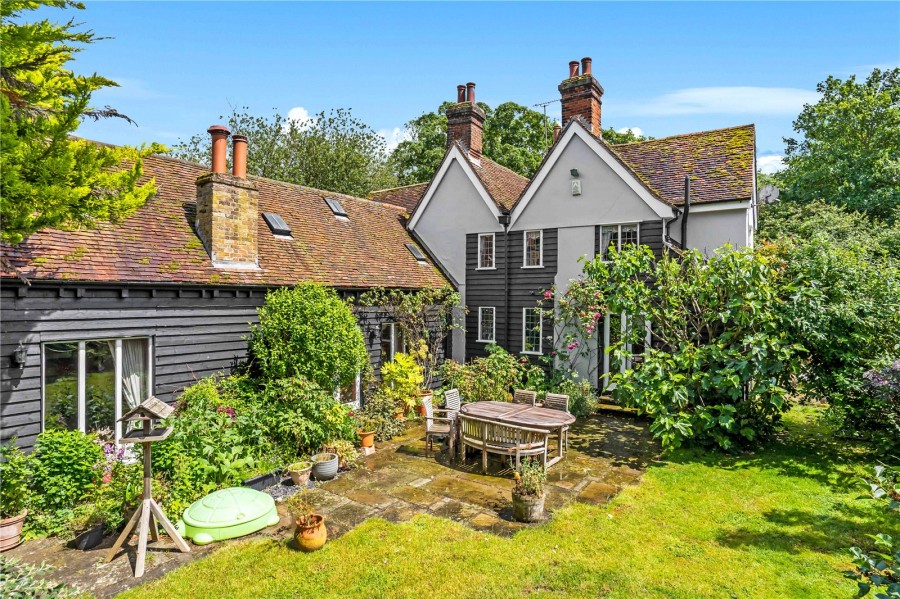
(774, 523)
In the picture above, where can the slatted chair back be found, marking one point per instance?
(557, 401)
(451, 400)
(429, 412)
(524, 396)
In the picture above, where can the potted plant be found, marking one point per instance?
(366, 431)
(346, 452)
(528, 494)
(15, 471)
(324, 466)
(299, 472)
(310, 533)
(401, 380)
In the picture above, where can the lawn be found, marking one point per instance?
(774, 523)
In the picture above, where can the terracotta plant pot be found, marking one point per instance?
(11, 531)
(528, 508)
(299, 473)
(310, 533)
(366, 439)
(420, 410)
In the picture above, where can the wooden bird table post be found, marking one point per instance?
(148, 514)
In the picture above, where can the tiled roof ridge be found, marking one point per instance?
(383, 190)
(680, 135)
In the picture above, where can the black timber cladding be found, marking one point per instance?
(488, 288)
(196, 332)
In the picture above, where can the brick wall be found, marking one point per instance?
(581, 96)
(227, 218)
(465, 123)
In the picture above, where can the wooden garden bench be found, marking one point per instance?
(501, 439)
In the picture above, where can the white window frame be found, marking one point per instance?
(481, 337)
(81, 383)
(540, 347)
(525, 264)
(394, 349)
(493, 251)
(618, 237)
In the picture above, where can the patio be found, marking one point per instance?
(606, 453)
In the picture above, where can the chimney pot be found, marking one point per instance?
(586, 65)
(470, 92)
(460, 94)
(573, 69)
(219, 135)
(556, 131)
(239, 156)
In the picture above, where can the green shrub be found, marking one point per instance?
(378, 411)
(308, 331)
(24, 580)
(15, 477)
(401, 379)
(492, 378)
(66, 469)
(878, 568)
(582, 397)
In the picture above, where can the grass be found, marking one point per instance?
(774, 523)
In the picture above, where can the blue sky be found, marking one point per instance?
(667, 68)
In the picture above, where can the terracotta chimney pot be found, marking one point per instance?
(556, 131)
(219, 135)
(586, 65)
(573, 69)
(460, 94)
(470, 92)
(239, 156)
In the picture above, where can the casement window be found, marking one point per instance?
(532, 331)
(487, 324)
(486, 251)
(615, 327)
(392, 341)
(88, 385)
(534, 249)
(617, 236)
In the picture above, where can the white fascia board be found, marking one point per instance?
(721, 206)
(453, 155)
(661, 209)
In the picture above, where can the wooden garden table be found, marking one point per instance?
(523, 415)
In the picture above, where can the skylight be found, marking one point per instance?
(336, 207)
(277, 224)
(416, 252)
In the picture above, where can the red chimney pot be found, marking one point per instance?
(460, 94)
(219, 134)
(586, 65)
(239, 156)
(470, 92)
(573, 69)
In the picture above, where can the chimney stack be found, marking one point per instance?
(581, 95)
(465, 121)
(228, 206)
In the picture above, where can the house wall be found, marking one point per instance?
(196, 332)
(710, 226)
(605, 197)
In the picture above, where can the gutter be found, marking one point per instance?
(505, 220)
(686, 211)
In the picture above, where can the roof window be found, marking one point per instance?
(416, 252)
(336, 207)
(277, 225)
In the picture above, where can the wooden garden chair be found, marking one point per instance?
(559, 401)
(524, 396)
(437, 425)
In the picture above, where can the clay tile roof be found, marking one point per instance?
(720, 163)
(158, 243)
(405, 197)
(503, 185)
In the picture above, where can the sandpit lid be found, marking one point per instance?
(228, 507)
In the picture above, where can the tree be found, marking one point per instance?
(48, 178)
(514, 136)
(611, 136)
(332, 151)
(850, 151)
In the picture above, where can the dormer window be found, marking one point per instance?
(417, 253)
(336, 208)
(277, 225)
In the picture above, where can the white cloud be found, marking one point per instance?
(394, 136)
(300, 117)
(634, 130)
(770, 164)
(724, 100)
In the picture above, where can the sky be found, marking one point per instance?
(666, 67)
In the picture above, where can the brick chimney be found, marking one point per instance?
(228, 206)
(465, 121)
(581, 95)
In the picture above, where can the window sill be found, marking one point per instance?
(532, 353)
(538, 266)
(486, 268)
(485, 341)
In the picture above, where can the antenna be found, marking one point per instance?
(544, 106)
